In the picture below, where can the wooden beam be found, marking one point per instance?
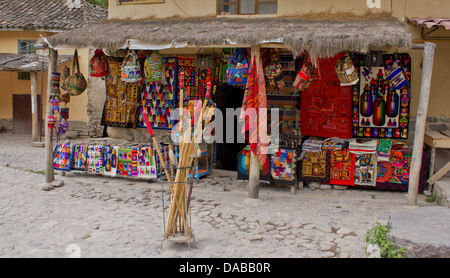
(49, 171)
(421, 120)
(34, 108)
(253, 179)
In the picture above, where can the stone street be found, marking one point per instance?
(95, 216)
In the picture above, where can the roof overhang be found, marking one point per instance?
(321, 36)
(28, 63)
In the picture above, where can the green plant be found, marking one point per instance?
(377, 236)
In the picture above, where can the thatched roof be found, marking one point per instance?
(322, 36)
(28, 62)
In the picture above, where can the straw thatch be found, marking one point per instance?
(321, 35)
(28, 62)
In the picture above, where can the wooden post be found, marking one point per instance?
(421, 119)
(34, 108)
(253, 179)
(49, 171)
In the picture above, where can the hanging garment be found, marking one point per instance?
(254, 113)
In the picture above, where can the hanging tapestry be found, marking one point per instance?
(146, 163)
(94, 160)
(186, 65)
(62, 157)
(365, 162)
(326, 106)
(120, 108)
(315, 166)
(380, 103)
(283, 166)
(244, 167)
(159, 98)
(127, 162)
(396, 170)
(110, 155)
(79, 157)
(342, 167)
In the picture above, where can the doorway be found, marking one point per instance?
(232, 97)
(22, 114)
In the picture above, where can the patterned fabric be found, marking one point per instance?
(146, 163)
(154, 67)
(98, 65)
(255, 119)
(79, 157)
(342, 167)
(120, 108)
(128, 162)
(244, 167)
(326, 107)
(110, 155)
(283, 166)
(94, 161)
(365, 162)
(315, 167)
(62, 157)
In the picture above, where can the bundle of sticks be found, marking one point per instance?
(190, 136)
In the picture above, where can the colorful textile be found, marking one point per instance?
(128, 162)
(146, 163)
(98, 65)
(283, 166)
(315, 167)
(244, 167)
(94, 161)
(154, 67)
(120, 108)
(342, 167)
(110, 156)
(326, 106)
(380, 104)
(254, 113)
(79, 157)
(62, 157)
(365, 162)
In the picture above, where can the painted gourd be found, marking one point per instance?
(379, 111)
(392, 104)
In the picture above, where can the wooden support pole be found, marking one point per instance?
(421, 119)
(49, 171)
(253, 179)
(34, 108)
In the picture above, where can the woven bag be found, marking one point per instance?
(131, 70)
(304, 76)
(346, 71)
(65, 73)
(98, 65)
(76, 84)
(154, 67)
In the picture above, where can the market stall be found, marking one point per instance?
(331, 78)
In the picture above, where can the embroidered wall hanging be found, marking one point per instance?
(127, 162)
(94, 161)
(79, 157)
(160, 98)
(342, 167)
(326, 106)
(110, 155)
(396, 170)
(120, 108)
(315, 167)
(146, 163)
(365, 161)
(380, 105)
(244, 167)
(283, 166)
(62, 157)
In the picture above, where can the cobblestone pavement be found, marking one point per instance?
(95, 216)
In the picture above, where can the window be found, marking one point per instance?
(231, 7)
(26, 47)
(23, 75)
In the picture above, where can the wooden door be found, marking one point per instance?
(22, 114)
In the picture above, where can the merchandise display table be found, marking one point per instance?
(436, 140)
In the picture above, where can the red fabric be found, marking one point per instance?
(326, 106)
(255, 124)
